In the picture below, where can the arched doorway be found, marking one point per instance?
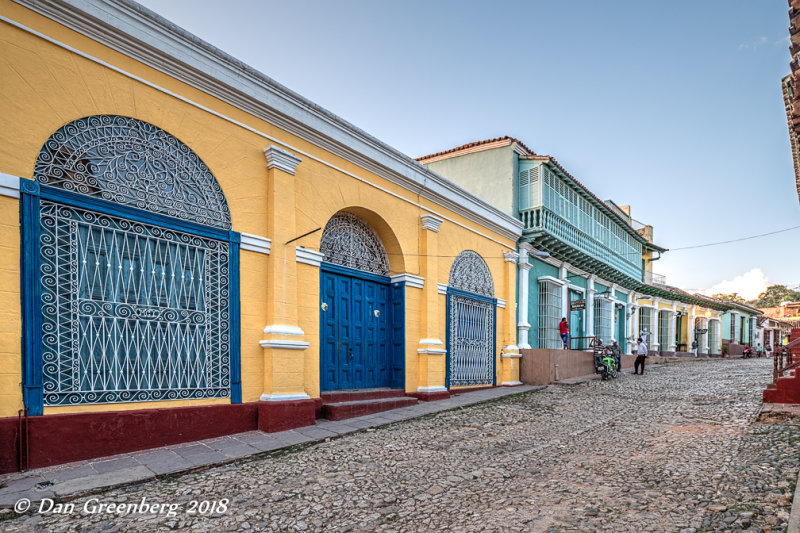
(471, 317)
(361, 311)
(131, 270)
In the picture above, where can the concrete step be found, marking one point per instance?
(356, 395)
(344, 410)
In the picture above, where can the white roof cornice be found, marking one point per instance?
(137, 32)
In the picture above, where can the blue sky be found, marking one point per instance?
(673, 108)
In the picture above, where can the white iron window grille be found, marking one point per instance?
(603, 319)
(131, 312)
(130, 162)
(549, 315)
(700, 323)
(734, 328)
(471, 339)
(471, 273)
(751, 327)
(350, 242)
(664, 320)
(646, 325)
(712, 335)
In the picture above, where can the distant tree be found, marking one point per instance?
(774, 295)
(732, 297)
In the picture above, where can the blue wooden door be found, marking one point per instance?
(355, 349)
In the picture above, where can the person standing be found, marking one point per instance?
(694, 347)
(617, 355)
(759, 350)
(563, 330)
(641, 354)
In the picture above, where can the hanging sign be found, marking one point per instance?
(577, 305)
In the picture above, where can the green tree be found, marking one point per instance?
(732, 297)
(774, 295)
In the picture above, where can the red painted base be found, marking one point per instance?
(430, 396)
(56, 439)
(281, 416)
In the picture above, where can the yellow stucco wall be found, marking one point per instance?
(45, 86)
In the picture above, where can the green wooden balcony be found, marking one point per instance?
(566, 242)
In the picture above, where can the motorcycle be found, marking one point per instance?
(748, 352)
(606, 364)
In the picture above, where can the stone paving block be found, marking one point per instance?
(101, 467)
(212, 457)
(108, 479)
(237, 450)
(316, 432)
(263, 442)
(65, 474)
(22, 484)
(292, 437)
(163, 462)
(192, 449)
(9, 499)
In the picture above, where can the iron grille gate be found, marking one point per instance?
(471, 341)
(549, 313)
(131, 311)
(700, 323)
(712, 335)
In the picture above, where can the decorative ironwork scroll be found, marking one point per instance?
(350, 242)
(471, 273)
(131, 162)
(131, 311)
(471, 337)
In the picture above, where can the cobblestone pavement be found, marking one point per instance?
(675, 450)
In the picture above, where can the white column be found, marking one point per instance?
(709, 325)
(522, 300)
(590, 290)
(690, 329)
(563, 275)
(654, 327)
(672, 329)
(633, 331)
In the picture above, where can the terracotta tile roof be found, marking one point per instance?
(475, 147)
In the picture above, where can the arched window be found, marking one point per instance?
(471, 331)
(471, 273)
(132, 308)
(130, 162)
(350, 242)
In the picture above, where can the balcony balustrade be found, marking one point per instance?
(542, 219)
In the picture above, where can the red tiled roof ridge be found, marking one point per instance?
(475, 144)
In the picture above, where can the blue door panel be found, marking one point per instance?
(356, 351)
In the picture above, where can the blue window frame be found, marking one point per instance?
(130, 285)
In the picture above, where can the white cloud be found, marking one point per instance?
(748, 285)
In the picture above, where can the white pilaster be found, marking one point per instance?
(522, 298)
(563, 274)
(590, 290)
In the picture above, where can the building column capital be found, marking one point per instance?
(510, 257)
(281, 159)
(431, 222)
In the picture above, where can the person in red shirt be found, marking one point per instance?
(563, 329)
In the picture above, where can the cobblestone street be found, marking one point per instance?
(675, 450)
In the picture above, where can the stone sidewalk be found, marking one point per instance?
(68, 481)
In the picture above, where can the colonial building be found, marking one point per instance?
(739, 327)
(191, 249)
(580, 257)
(790, 85)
